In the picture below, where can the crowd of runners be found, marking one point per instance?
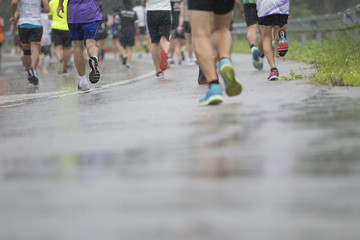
(171, 30)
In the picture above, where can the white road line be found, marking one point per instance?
(15, 100)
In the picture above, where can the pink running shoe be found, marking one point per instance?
(163, 61)
(274, 75)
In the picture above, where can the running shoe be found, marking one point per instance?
(282, 43)
(160, 74)
(33, 78)
(232, 82)
(213, 95)
(255, 57)
(84, 86)
(94, 75)
(201, 78)
(60, 66)
(128, 65)
(163, 60)
(274, 75)
(261, 63)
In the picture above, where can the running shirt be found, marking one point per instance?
(127, 21)
(58, 23)
(83, 11)
(186, 11)
(158, 5)
(115, 27)
(29, 12)
(46, 36)
(249, 1)
(141, 14)
(271, 7)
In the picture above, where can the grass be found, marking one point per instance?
(337, 60)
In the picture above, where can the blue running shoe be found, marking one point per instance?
(256, 57)
(232, 83)
(213, 95)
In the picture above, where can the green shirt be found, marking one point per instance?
(249, 1)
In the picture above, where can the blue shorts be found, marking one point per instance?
(81, 31)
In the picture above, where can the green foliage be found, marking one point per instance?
(337, 60)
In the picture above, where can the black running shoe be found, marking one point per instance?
(94, 75)
(33, 78)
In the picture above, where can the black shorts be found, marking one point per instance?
(45, 49)
(127, 39)
(0, 44)
(60, 37)
(187, 27)
(251, 16)
(159, 24)
(30, 35)
(142, 30)
(274, 20)
(216, 6)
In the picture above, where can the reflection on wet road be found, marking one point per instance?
(137, 158)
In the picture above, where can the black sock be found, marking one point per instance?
(262, 55)
(274, 69)
(252, 46)
(214, 82)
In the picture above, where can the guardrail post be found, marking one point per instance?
(318, 37)
(303, 38)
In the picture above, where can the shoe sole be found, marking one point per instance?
(163, 60)
(94, 75)
(213, 100)
(233, 86)
(273, 78)
(282, 45)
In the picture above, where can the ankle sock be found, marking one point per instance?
(214, 82)
(83, 79)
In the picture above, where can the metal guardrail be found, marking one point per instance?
(348, 20)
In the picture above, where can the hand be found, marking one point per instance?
(12, 19)
(60, 8)
(179, 29)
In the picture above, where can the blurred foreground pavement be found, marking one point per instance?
(138, 159)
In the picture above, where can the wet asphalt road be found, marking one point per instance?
(138, 158)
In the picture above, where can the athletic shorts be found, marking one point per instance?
(127, 39)
(142, 30)
(45, 49)
(83, 31)
(187, 27)
(216, 6)
(179, 35)
(251, 16)
(159, 24)
(30, 35)
(60, 37)
(274, 20)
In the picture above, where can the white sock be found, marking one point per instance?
(46, 62)
(96, 58)
(83, 79)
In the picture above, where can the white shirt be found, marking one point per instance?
(158, 5)
(46, 36)
(141, 14)
(29, 12)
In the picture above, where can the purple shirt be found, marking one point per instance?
(83, 11)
